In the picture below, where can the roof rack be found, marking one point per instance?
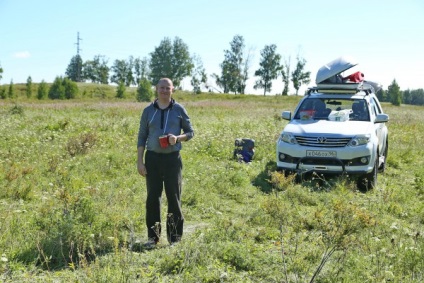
(342, 88)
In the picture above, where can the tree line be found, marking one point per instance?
(396, 96)
(172, 59)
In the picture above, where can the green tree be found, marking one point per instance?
(71, 88)
(11, 92)
(145, 92)
(414, 96)
(129, 76)
(171, 60)
(57, 90)
(74, 70)
(29, 87)
(394, 93)
(63, 88)
(223, 80)
(1, 72)
(234, 68)
(122, 72)
(407, 96)
(2, 90)
(160, 61)
(269, 68)
(299, 77)
(103, 72)
(417, 96)
(182, 64)
(96, 70)
(285, 74)
(199, 74)
(234, 61)
(381, 95)
(42, 90)
(141, 69)
(120, 90)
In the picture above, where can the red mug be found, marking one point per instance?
(164, 141)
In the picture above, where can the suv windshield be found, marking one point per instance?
(324, 109)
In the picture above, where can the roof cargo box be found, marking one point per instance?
(330, 73)
(330, 80)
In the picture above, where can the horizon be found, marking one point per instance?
(388, 46)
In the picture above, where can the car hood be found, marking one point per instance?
(330, 128)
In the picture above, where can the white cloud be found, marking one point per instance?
(22, 55)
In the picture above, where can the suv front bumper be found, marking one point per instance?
(324, 169)
(351, 161)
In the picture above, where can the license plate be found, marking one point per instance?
(321, 153)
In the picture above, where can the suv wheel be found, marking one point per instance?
(369, 181)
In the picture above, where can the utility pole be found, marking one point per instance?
(78, 58)
(78, 43)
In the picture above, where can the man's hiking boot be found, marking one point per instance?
(150, 244)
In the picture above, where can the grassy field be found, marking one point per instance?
(72, 203)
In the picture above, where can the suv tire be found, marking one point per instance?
(369, 181)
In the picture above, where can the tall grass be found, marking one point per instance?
(72, 203)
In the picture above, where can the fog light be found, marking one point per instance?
(282, 156)
(364, 160)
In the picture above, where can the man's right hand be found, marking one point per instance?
(141, 169)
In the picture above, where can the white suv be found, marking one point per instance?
(337, 128)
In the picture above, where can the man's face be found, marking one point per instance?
(164, 89)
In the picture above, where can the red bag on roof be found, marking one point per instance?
(355, 77)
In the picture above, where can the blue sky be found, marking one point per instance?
(38, 38)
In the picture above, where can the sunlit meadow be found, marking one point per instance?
(72, 203)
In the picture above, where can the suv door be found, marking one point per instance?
(380, 128)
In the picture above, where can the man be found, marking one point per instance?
(160, 162)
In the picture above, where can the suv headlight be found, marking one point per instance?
(360, 140)
(288, 138)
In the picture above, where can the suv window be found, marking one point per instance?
(320, 109)
(375, 106)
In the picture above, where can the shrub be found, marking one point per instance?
(63, 88)
(11, 92)
(120, 91)
(17, 110)
(144, 91)
(65, 235)
(42, 90)
(57, 91)
(29, 87)
(81, 144)
(71, 88)
(2, 93)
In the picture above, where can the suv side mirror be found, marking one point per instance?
(286, 115)
(381, 118)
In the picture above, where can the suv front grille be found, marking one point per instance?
(321, 141)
